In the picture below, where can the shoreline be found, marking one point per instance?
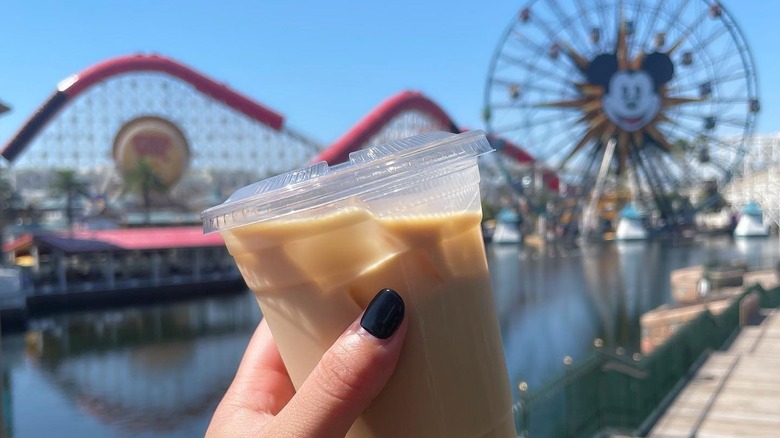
(14, 320)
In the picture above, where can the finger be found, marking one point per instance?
(349, 375)
(262, 383)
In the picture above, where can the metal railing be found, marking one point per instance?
(608, 391)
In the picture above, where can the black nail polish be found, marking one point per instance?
(383, 314)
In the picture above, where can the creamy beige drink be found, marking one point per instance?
(315, 270)
(316, 276)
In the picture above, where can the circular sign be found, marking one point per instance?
(155, 141)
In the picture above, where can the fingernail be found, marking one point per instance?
(383, 314)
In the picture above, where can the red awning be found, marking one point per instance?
(123, 239)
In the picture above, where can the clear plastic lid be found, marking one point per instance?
(369, 172)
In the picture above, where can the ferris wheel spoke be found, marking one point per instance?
(724, 64)
(731, 99)
(735, 123)
(715, 35)
(660, 139)
(573, 35)
(587, 137)
(651, 183)
(559, 148)
(545, 28)
(678, 13)
(687, 171)
(720, 120)
(633, 42)
(743, 99)
(532, 87)
(585, 19)
(737, 75)
(525, 42)
(540, 50)
(710, 140)
(687, 32)
(568, 103)
(559, 12)
(682, 128)
(674, 101)
(534, 123)
(584, 168)
(663, 178)
(592, 166)
(602, 17)
(555, 156)
(651, 26)
(525, 105)
(532, 68)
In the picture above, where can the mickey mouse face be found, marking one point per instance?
(632, 101)
(631, 98)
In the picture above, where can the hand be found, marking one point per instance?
(261, 401)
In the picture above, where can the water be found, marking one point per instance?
(159, 371)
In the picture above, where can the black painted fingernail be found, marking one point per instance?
(383, 314)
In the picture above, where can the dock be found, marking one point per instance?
(735, 393)
(660, 323)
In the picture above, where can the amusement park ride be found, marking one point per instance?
(200, 139)
(592, 105)
(628, 101)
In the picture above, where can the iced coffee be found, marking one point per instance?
(410, 222)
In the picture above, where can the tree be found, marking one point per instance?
(143, 180)
(10, 203)
(68, 184)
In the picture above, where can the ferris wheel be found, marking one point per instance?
(657, 98)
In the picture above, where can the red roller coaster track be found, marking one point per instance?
(339, 151)
(76, 84)
(372, 123)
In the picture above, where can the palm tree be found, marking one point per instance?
(143, 180)
(67, 183)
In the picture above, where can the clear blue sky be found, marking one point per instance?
(321, 64)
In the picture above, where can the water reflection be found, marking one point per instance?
(160, 370)
(142, 371)
(554, 304)
(543, 313)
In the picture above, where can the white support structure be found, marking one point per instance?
(589, 217)
(760, 178)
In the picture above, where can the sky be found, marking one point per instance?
(323, 65)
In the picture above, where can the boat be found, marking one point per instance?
(716, 222)
(631, 224)
(751, 221)
(507, 227)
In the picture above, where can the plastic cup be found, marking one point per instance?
(316, 244)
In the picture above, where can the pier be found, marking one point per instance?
(735, 393)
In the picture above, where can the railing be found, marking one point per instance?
(52, 287)
(609, 391)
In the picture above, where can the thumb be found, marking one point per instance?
(349, 375)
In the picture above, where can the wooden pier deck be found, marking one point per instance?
(736, 393)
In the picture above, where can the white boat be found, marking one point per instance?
(751, 222)
(631, 224)
(507, 227)
(716, 222)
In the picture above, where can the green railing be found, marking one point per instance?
(608, 391)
